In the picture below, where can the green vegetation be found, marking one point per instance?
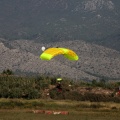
(22, 87)
(21, 95)
(7, 72)
(44, 87)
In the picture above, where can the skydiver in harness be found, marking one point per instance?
(58, 86)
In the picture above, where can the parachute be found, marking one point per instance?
(49, 53)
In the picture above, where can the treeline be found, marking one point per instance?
(12, 86)
(92, 97)
(22, 87)
(73, 93)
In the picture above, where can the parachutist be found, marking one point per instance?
(58, 86)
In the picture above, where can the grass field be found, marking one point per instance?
(23, 115)
(19, 109)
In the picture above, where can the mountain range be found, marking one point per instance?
(96, 21)
(89, 27)
(95, 61)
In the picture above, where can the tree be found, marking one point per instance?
(7, 72)
(94, 83)
(102, 83)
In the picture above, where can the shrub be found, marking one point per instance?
(92, 97)
(7, 72)
(55, 94)
(33, 94)
(15, 93)
(73, 95)
(4, 92)
(18, 87)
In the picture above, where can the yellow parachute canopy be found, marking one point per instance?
(51, 52)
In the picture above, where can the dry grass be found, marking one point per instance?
(56, 104)
(77, 110)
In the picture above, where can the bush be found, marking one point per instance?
(33, 94)
(4, 92)
(74, 95)
(7, 72)
(96, 97)
(55, 94)
(15, 93)
(19, 87)
(53, 81)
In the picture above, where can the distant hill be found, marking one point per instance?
(95, 21)
(96, 62)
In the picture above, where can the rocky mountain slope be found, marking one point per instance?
(95, 61)
(59, 20)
